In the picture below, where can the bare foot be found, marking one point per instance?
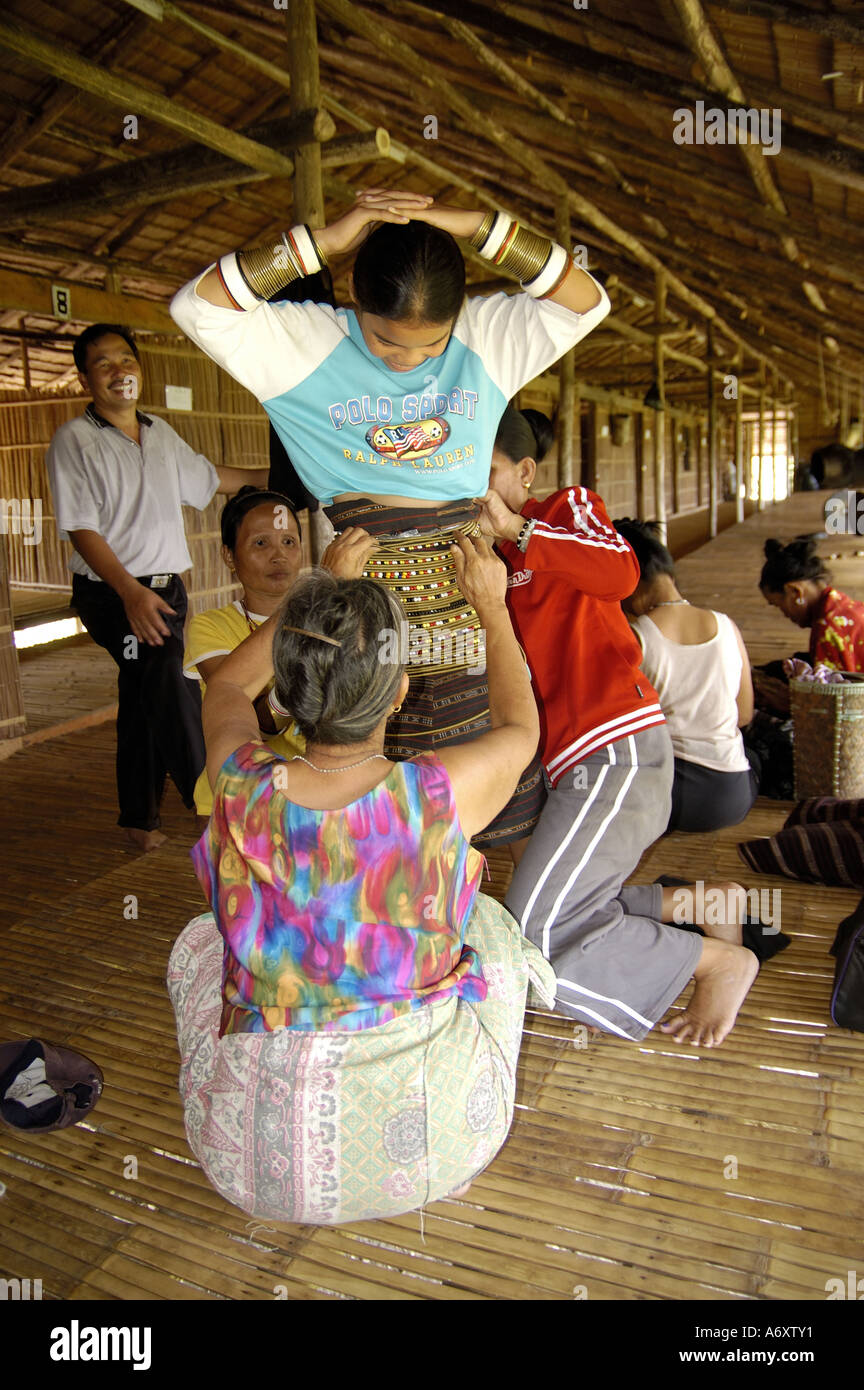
(723, 978)
(460, 1191)
(144, 840)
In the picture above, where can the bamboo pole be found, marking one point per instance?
(740, 485)
(308, 189)
(760, 436)
(543, 175)
(659, 441)
(67, 65)
(774, 444)
(566, 373)
(712, 436)
(186, 169)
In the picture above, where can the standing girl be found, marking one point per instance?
(389, 410)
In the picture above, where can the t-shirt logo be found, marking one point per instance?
(408, 441)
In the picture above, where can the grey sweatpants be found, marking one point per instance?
(617, 966)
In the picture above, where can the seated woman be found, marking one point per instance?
(796, 580)
(261, 546)
(350, 1013)
(696, 661)
(608, 761)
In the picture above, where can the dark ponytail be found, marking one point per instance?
(524, 434)
(410, 271)
(644, 539)
(790, 564)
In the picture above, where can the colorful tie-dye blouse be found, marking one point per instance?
(837, 634)
(337, 919)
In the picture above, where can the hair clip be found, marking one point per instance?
(286, 627)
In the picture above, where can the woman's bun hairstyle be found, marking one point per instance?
(644, 540)
(790, 564)
(524, 434)
(338, 694)
(543, 431)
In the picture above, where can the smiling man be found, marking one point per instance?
(120, 479)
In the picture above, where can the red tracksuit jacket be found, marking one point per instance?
(564, 595)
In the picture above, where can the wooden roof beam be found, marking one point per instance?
(31, 294)
(67, 65)
(707, 48)
(180, 172)
(357, 21)
(536, 31)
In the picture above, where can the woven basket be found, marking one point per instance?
(829, 738)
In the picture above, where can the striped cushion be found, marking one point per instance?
(829, 852)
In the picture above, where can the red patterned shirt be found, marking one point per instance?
(837, 634)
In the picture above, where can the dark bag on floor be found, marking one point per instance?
(847, 1001)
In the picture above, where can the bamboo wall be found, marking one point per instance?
(12, 719)
(227, 425)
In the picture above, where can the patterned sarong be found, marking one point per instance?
(448, 696)
(331, 1127)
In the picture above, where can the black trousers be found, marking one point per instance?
(705, 799)
(159, 709)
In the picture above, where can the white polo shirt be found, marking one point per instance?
(131, 494)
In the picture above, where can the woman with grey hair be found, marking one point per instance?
(350, 1012)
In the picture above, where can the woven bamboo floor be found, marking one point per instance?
(618, 1181)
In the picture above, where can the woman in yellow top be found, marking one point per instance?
(261, 547)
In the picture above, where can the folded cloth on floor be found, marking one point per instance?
(43, 1088)
(822, 841)
(817, 809)
(847, 999)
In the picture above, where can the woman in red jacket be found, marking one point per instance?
(609, 766)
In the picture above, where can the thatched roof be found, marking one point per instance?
(539, 109)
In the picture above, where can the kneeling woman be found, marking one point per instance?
(608, 761)
(697, 662)
(350, 1014)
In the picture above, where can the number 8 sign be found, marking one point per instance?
(61, 302)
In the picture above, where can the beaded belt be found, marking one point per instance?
(444, 630)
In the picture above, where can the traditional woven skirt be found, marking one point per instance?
(448, 696)
(327, 1127)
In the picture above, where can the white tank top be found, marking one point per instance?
(697, 686)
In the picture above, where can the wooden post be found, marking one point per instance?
(673, 435)
(639, 461)
(740, 487)
(760, 437)
(589, 462)
(566, 370)
(712, 435)
(303, 70)
(659, 414)
(774, 444)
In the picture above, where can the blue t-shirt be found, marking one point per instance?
(351, 424)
